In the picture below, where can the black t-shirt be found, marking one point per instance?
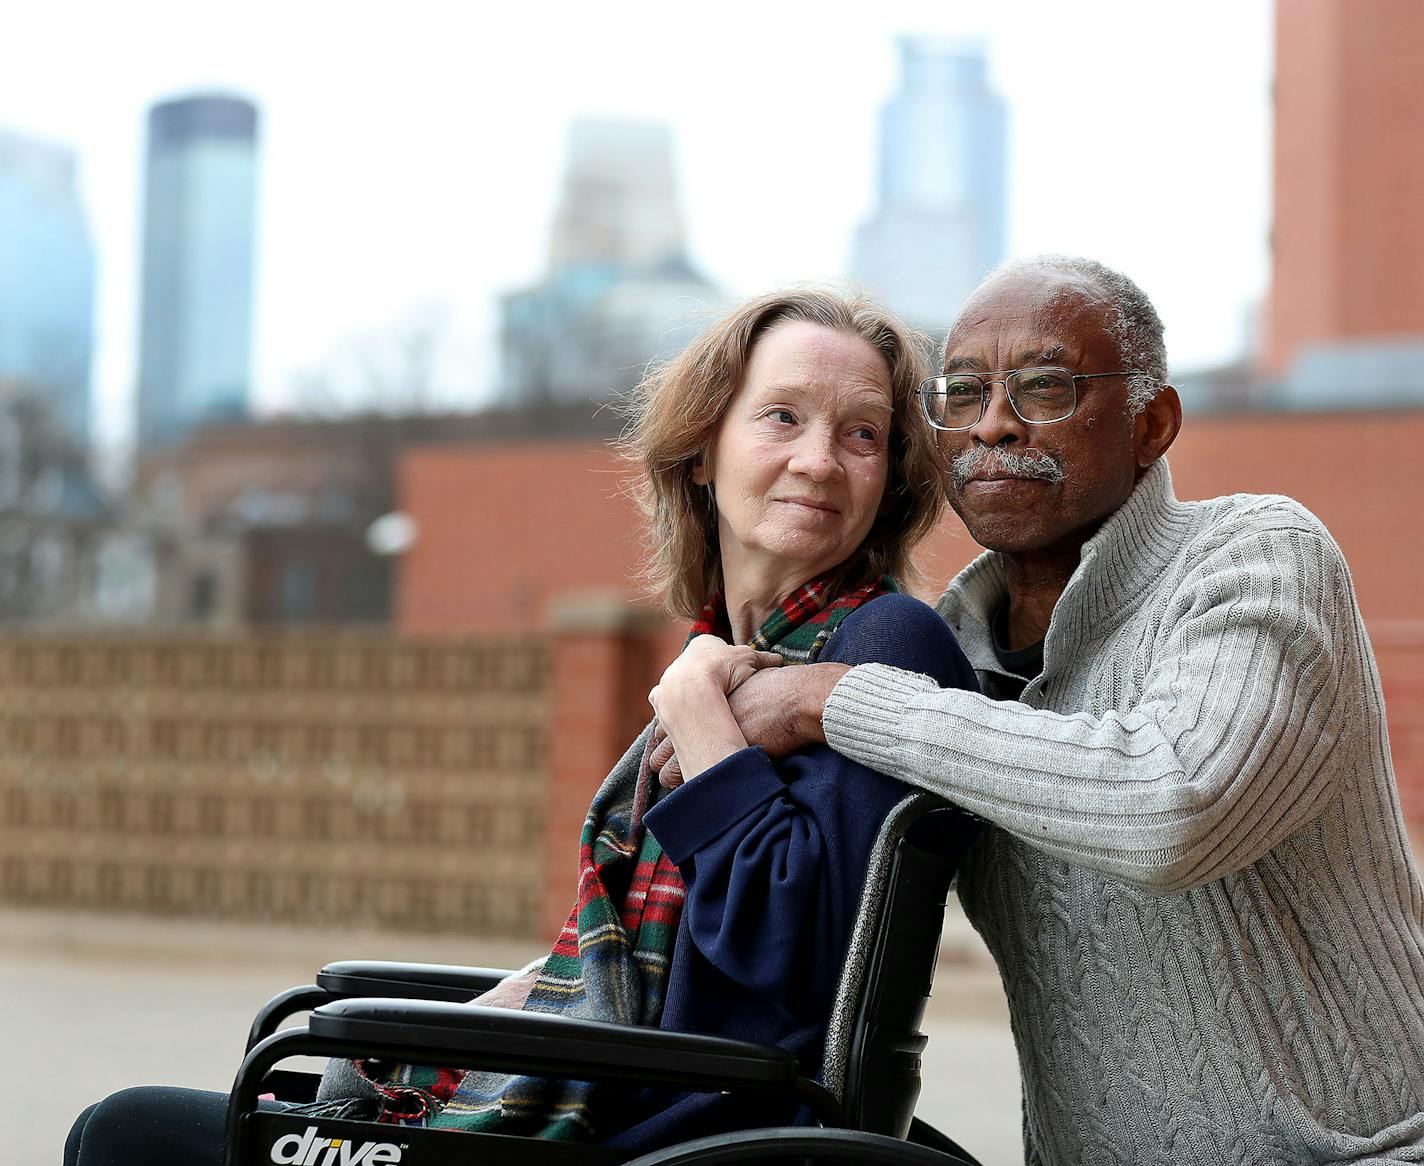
(1020, 665)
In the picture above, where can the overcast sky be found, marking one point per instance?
(411, 153)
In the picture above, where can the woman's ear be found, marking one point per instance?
(701, 472)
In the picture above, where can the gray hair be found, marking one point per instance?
(1131, 319)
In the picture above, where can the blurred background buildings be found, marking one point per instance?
(46, 282)
(620, 289)
(514, 521)
(1345, 324)
(941, 216)
(199, 239)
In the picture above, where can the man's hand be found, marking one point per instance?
(776, 708)
(708, 660)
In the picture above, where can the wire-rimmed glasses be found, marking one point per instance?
(1038, 396)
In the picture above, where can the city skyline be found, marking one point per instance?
(195, 349)
(619, 290)
(438, 184)
(939, 221)
(46, 282)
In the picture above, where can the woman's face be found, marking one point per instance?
(799, 461)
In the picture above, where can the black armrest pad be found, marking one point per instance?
(505, 1039)
(421, 981)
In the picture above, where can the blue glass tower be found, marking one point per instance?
(199, 226)
(46, 282)
(940, 221)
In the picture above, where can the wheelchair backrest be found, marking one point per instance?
(873, 1039)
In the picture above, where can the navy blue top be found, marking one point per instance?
(774, 857)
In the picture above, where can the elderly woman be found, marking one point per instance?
(787, 473)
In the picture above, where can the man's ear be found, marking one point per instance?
(1156, 427)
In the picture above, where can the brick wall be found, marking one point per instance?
(326, 777)
(504, 532)
(433, 786)
(1399, 648)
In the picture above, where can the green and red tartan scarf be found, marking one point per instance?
(613, 956)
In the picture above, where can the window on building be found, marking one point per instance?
(298, 592)
(203, 595)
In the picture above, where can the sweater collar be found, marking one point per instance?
(1115, 568)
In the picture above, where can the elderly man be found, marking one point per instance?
(1197, 887)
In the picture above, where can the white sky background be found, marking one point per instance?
(411, 153)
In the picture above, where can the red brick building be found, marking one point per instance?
(505, 531)
(1348, 233)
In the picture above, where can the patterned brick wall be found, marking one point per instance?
(358, 779)
(330, 777)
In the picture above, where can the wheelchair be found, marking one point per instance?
(863, 1099)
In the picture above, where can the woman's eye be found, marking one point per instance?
(785, 416)
(865, 433)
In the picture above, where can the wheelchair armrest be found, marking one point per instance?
(535, 1043)
(270, 1016)
(508, 1040)
(374, 978)
(407, 981)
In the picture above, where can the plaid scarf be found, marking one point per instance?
(613, 956)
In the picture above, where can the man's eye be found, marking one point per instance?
(1045, 382)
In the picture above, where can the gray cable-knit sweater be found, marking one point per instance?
(1199, 894)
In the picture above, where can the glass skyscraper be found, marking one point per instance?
(940, 221)
(199, 227)
(46, 282)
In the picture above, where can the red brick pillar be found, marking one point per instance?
(1399, 651)
(598, 693)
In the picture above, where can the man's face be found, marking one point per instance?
(1003, 483)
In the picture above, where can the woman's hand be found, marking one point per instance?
(779, 711)
(691, 700)
(708, 659)
(510, 992)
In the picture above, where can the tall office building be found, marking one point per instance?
(939, 225)
(199, 220)
(1345, 323)
(46, 282)
(619, 290)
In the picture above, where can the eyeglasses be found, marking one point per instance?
(1038, 396)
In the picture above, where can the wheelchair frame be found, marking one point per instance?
(415, 1013)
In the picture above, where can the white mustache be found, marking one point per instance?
(1030, 464)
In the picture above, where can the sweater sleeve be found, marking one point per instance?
(773, 854)
(1226, 752)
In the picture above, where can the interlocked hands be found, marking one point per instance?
(691, 704)
(776, 708)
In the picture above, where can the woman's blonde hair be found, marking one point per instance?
(676, 409)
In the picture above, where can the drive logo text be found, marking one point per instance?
(309, 1150)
